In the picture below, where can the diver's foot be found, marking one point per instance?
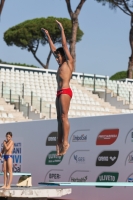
(64, 149)
(58, 149)
(7, 187)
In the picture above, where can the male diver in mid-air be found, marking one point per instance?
(64, 92)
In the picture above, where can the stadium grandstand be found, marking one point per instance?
(29, 94)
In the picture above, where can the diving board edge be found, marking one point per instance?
(120, 184)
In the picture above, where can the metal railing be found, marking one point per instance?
(25, 103)
(94, 86)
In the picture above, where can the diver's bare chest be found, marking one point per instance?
(62, 69)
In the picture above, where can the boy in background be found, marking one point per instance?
(8, 146)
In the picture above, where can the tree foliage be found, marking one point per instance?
(124, 5)
(27, 35)
(18, 64)
(119, 75)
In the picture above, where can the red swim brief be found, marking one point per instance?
(65, 91)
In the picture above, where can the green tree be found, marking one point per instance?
(18, 64)
(125, 6)
(28, 35)
(75, 24)
(119, 75)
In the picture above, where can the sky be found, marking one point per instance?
(103, 50)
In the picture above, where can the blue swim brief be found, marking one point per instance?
(7, 156)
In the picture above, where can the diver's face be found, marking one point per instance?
(60, 59)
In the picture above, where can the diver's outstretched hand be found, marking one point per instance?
(45, 31)
(59, 25)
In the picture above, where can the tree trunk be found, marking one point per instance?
(73, 39)
(74, 19)
(1, 5)
(130, 64)
(38, 60)
(48, 59)
(130, 70)
(44, 66)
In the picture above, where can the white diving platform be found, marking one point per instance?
(24, 180)
(34, 192)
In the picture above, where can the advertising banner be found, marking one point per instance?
(101, 150)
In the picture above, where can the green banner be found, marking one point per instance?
(53, 159)
(107, 177)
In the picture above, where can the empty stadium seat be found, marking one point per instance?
(43, 85)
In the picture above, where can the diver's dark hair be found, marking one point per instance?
(60, 51)
(9, 133)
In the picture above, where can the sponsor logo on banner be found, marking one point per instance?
(130, 178)
(79, 136)
(51, 139)
(107, 158)
(53, 159)
(107, 137)
(79, 176)
(129, 159)
(53, 175)
(77, 179)
(79, 157)
(132, 136)
(16, 168)
(129, 136)
(107, 177)
(16, 156)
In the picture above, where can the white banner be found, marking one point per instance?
(101, 150)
